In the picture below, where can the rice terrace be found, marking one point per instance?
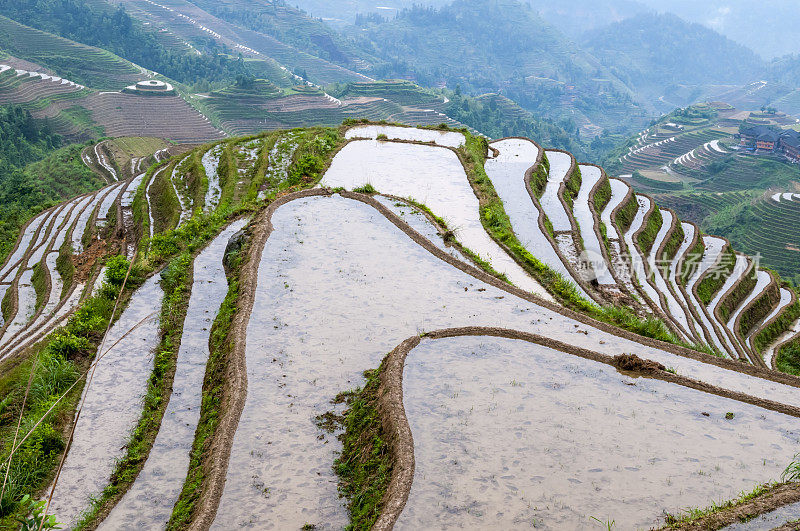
(277, 267)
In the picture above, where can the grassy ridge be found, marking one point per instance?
(60, 359)
(729, 304)
(788, 358)
(216, 368)
(716, 276)
(603, 194)
(769, 334)
(539, 177)
(626, 213)
(314, 154)
(651, 227)
(572, 186)
(673, 242)
(759, 309)
(164, 202)
(366, 463)
(39, 285)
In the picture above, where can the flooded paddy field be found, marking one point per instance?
(510, 434)
(333, 298)
(433, 176)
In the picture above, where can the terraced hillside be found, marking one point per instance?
(763, 223)
(694, 149)
(260, 105)
(83, 64)
(222, 306)
(190, 22)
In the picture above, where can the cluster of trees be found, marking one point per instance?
(118, 32)
(22, 139)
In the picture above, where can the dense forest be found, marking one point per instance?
(119, 33)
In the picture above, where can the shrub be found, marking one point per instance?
(67, 344)
(116, 270)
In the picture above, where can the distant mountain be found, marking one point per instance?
(343, 12)
(651, 52)
(772, 28)
(576, 17)
(504, 47)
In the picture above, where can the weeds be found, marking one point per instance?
(366, 189)
(792, 472)
(651, 228)
(366, 462)
(693, 514)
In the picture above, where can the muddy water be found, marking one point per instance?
(507, 173)
(713, 249)
(674, 307)
(553, 208)
(210, 163)
(585, 219)
(3, 290)
(47, 227)
(510, 435)
(618, 191)
(56, 284)
(441, 138)
(149, 502)
(637, 262)
(738, 271)
(149, 201)
(24, 243)
(417, 221)
(80, 206)
(26, 306)
(108, 202)
(42, 243)
(112, 407)
(83, 221)
(433, 176)
(130, 192)
(338, 287)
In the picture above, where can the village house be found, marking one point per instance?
(764, 138)
(790, 144)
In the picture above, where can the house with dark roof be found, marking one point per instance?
(759, 137)
(789, 144)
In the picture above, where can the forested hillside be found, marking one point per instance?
(519, 55)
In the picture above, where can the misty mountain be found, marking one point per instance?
(650, 52)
